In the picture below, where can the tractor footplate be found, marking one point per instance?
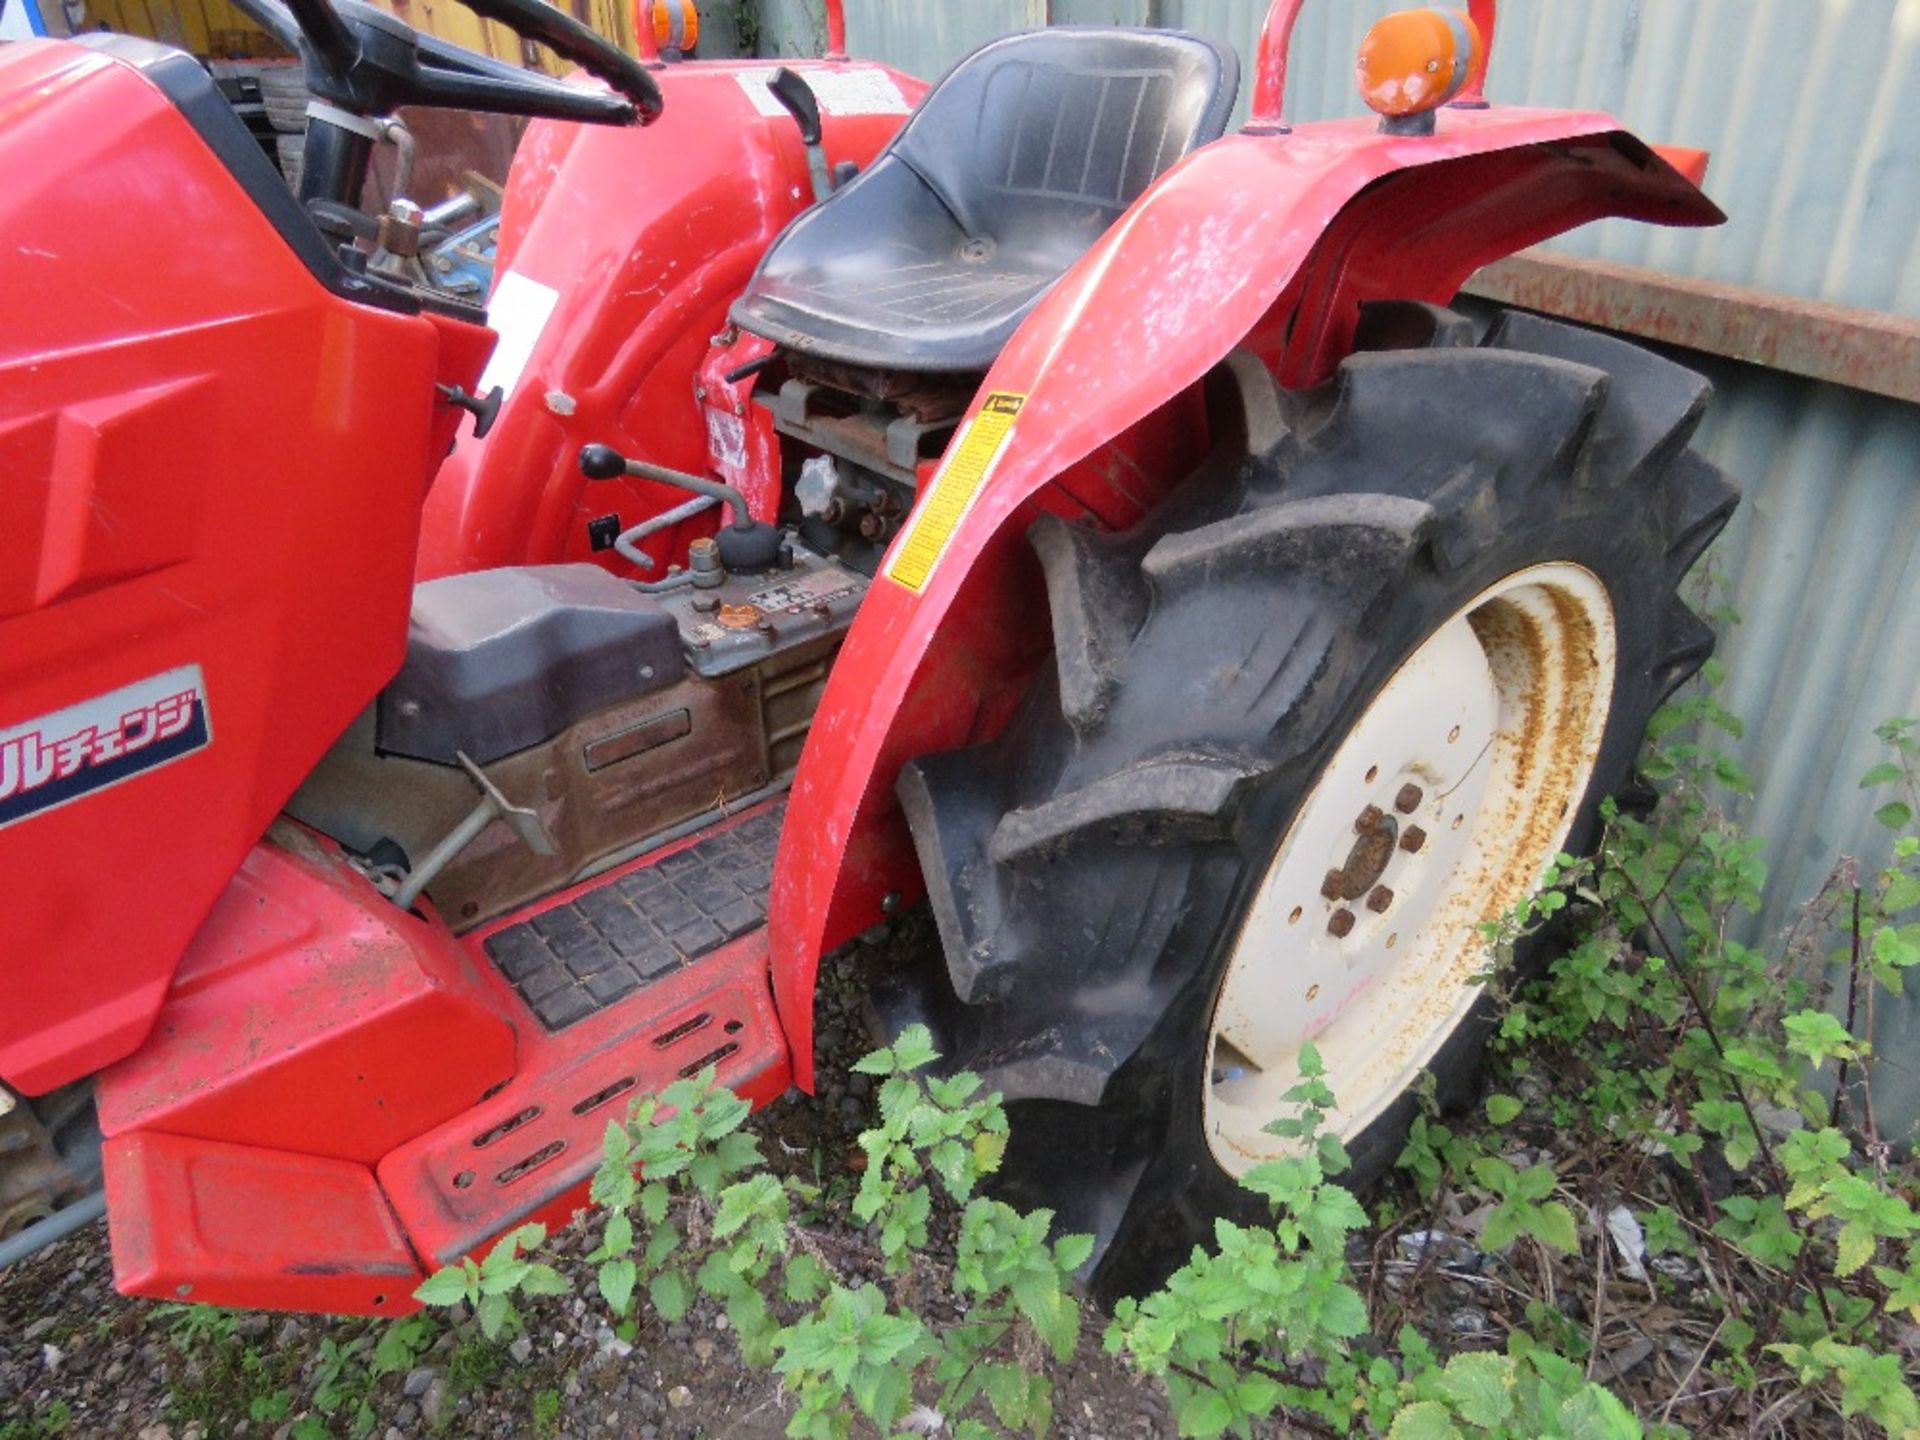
(577, 958)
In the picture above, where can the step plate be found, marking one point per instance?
(578, 958)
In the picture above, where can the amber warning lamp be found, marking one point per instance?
(669, 28)
(1414, 62)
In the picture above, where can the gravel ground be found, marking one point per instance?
(78, 1359)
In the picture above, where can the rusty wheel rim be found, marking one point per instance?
(1449, 795)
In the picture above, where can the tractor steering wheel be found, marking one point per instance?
(369, 63)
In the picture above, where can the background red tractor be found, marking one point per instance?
(1017, 492)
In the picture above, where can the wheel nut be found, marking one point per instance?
(1379, 899)
(1331, 887)
(1340, 925)
(1371, 819)
(1412, 838)
(1408, 800)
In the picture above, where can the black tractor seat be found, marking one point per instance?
(1006, 173)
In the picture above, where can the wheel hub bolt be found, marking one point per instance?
(1341, 924)
(1371, 819)
(1379, 899)
(1331, 887)
(1412, 838)
(1409, 798)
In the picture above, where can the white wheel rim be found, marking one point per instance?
(1496, 721)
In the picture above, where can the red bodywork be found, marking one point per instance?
(646, 236)
(206, 459)
(226, 471)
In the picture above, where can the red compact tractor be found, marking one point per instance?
(424, 730)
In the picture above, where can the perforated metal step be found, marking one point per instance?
(599, 947)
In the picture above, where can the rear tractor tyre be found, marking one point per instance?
(1338, 699)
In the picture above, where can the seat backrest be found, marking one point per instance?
(1038, 141)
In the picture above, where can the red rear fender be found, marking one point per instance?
(1270, 242)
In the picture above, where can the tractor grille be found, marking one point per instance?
(579, 957)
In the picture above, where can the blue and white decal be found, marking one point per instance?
(61, 757)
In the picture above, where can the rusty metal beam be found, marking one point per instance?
(1863, 349)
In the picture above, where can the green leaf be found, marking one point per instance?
(1204, 1414)
(528, 1237)
(1819, 1037)
(1503, 1109)
(880, 1062)
(1007, 1391)
(618, 1238)
(1592, 1413)
(1903, 893)
(1480, 1388)
(988, 1149)
(668, 1291)
(617, 1279)
(1504, 1225)
(1895, 815)
(914, 1048)
(1853, 1249)
(493, 1312)
(1552, 1224)
(1070, 1252)
(1885, 773)
(544, 1280)
(653, 1202)
(443, 1287)
(805, 1277)
(1426, 1420)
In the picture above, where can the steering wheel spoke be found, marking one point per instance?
(371, 63)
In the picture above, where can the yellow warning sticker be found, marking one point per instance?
(952, 492)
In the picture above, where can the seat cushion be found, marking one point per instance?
(1009, 170)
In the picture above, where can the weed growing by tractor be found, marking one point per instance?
(1666, 1094)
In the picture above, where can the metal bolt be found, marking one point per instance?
(1412, 838)
(1378, 899)
(890, 903)
(1409, 798)
(1371, 819)
(1331, 886)
(1340, 924)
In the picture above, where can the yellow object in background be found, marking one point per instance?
(215, 30)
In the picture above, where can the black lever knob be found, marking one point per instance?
(484, 408)
(793, 92)
(602, 462)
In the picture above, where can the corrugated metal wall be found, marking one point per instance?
(1806, 105)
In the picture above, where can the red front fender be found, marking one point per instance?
(1271, 242)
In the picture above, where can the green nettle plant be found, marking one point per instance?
(1731, 1090)
(1270, 1323)
(1699, 1097)
(688, 1210)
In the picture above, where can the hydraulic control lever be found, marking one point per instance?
(746, 544)
(793, 92)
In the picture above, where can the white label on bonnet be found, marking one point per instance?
(840, 92)
(518, 311)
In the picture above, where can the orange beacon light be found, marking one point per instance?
(1415, 61)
